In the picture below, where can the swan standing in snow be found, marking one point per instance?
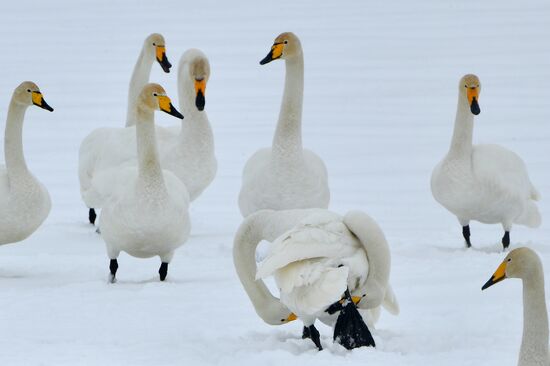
(318, 258)
(486, 183)
(285, 176)
(186, 151)
(524, 263)
(24, 201)
(146, 213)
(154, 48)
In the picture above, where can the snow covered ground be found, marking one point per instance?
(380, 97)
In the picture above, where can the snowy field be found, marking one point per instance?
(380, 97)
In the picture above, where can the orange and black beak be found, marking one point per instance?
(165, 105)
(473, 96)
(200, 90)
(162, 59)
(275, 53)
(38, 100)
(499, 275)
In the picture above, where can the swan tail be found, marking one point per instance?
(535, 194)
(390, 301)
(531, 216)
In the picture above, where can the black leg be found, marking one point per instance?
(113, 267)
(163, 271)
(315, 337)
(466, 235)
(305, 333)
(506, 240)
(92, 216)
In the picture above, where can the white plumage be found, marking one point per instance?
(146, 210)
(486, 183)
(24, 201)
(186, 151)
(285, 176)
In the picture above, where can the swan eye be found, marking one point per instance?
(465, 86)
(28, 90)
(155, 94)
(285, 42)
(509, 259)
(154, 44)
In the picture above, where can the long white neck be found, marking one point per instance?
(13, 142)
(140, 77)
(244, 257)
(461, 143)
(150, 171)
(287, 142)
(534, 346)
(196, 131)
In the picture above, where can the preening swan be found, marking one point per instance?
(318, 259)
(524, 263)
(186, 151)
(146, 213)
(285, 176)
(154, 48)
(486, 183)
(24, 201)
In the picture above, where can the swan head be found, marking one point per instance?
(469, 88)
(286, 46)
(153, 96)
(28, 93)
(155, 45)
(519, 263)
(194, 66)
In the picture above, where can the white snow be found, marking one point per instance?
(380, 97)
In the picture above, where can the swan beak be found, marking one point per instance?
(162, 59)
(200, 89)
(290, 318)
(165, 105)
(38, 100)
(473, 96)
(499, 275)
(275, 53)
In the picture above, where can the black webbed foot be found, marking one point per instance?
(113, 267)
(92, 216)
(506, 240)
(163, 271)
(350, 330)
(466, 235)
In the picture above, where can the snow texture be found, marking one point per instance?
(379, 102)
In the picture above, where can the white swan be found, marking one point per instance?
(486, 183)
(285, 176)
(315, 256)
(525, 264)
(154, 48)
(186, 151)
(24, 201)
(146, 213)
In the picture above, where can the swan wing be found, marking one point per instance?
(320, 235)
